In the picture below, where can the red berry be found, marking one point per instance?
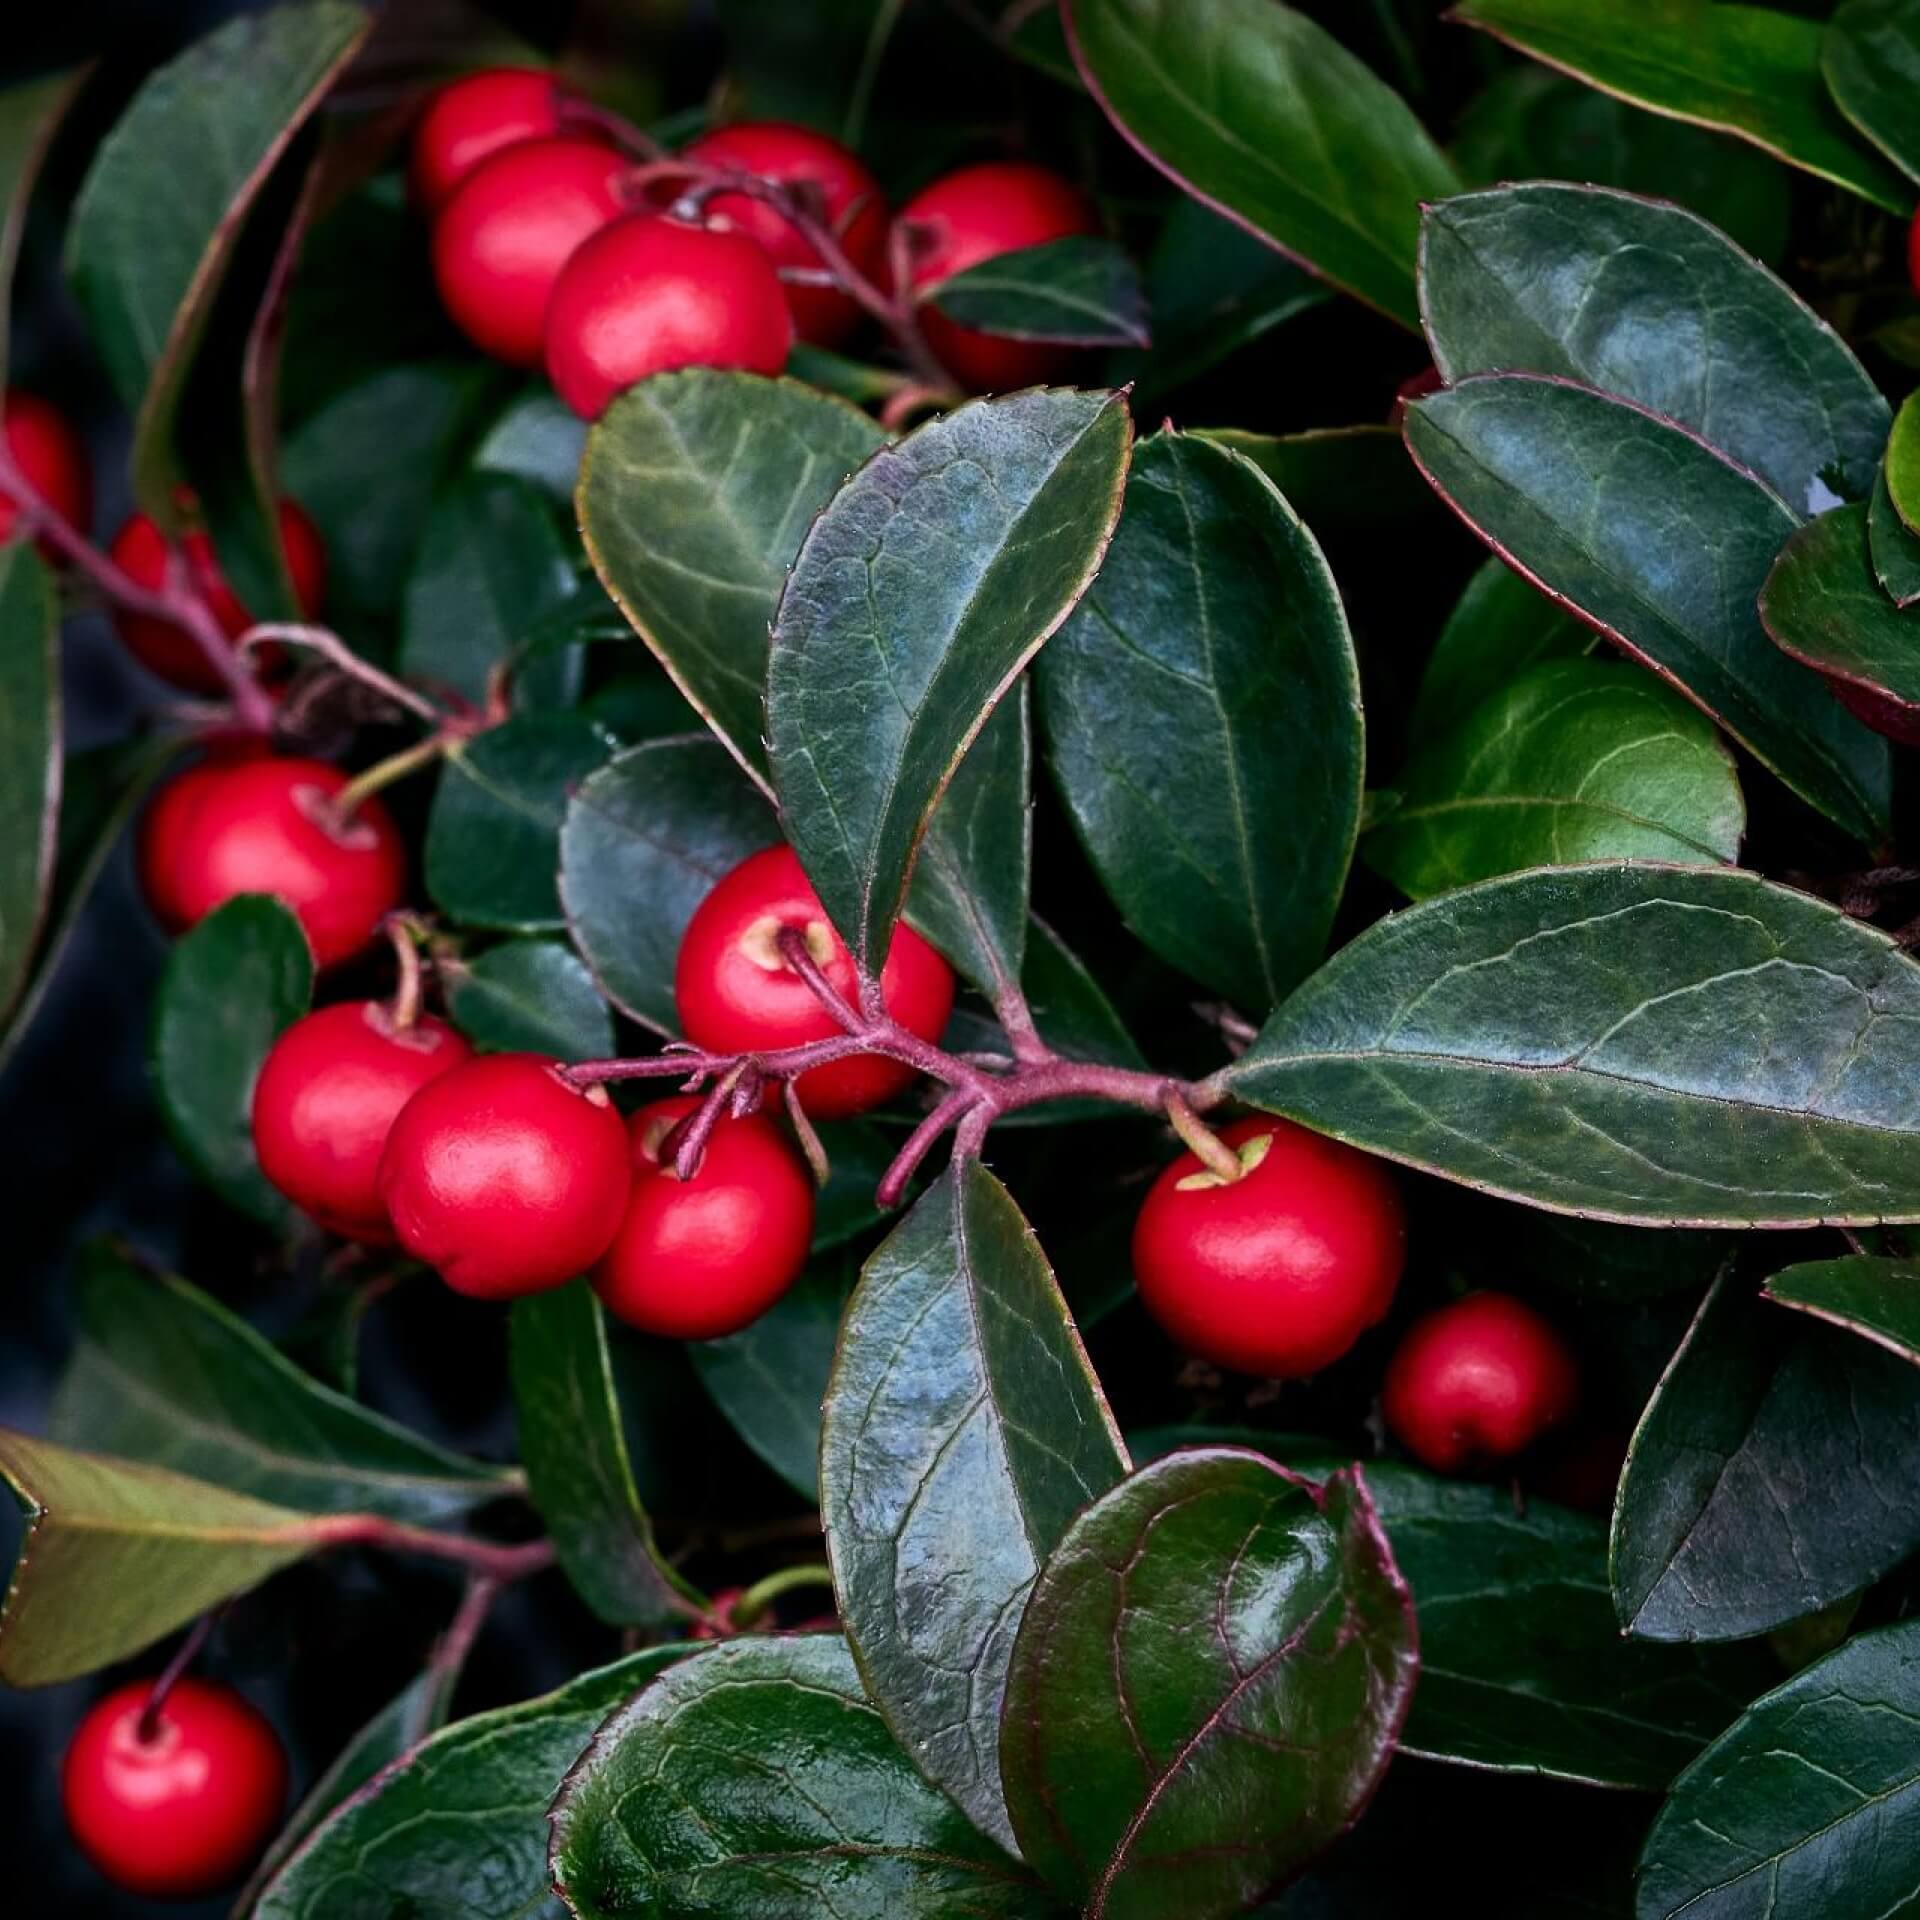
(736, 994)
(140, 551)
(1477, 1381)
(510, 226)
(646, 295)
(472, 119)
(51, 460)
(327, 1097)
(157, 859)
(1280, 1271)
(265, 826)
(186, 1812)
(505, 1177)
(974, 215)
(849, 198)
(699, 1258)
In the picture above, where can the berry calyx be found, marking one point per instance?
(50, 459)
(736, 993)
(848, 200)
(504, 1177)
(647, 294)
(509, 227)
(329, 1092)
(698, 1258)
(471, 119)
(140, 551)
(1478, 1381)
(975, 215)
(1277, 1272)
(178, 1803)
(268, 826)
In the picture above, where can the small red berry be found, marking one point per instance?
(327, 1097)
(185, 1812)
(157, 858)
(266, 826)
(510, 226)
(506, 1177)
(974, 215)
(849, 202)
(736, 993)
(648, 294)
(140, 551)
(1280, 1271)
(472, 119)
(51, 460)
(699, 1258)
(1477, 1381)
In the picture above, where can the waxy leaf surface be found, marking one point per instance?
(1871, 58)
(30, 760)
(529, 996)
(1081, 291)
(1872, 1295)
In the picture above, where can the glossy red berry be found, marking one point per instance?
(267, 826)
(1477, 1381)
(849, 201)
(179, 1809)
(157, 855)
(504, 1177)
(974, 215)
(471, 119)
(1280, 1271)
(510, 226)
(51, 460)
(329, 1092)
(140, 551)
(736, 993)
(696, 1259)
(647, 294)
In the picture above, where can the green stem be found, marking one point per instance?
(757, 1598)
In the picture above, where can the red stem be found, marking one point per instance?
(184, 1656)
(500, 1563)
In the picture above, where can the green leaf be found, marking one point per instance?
(1664, 1045)
(695, 493)
(164, 1375)
(1746, 70)
(30, 762)
(539, 439)
(117, 1555)
(1070, 1007)
(147, 266)
(30, 116)
(756, 1779)
(493, 837)
(1080, 291)
(1877, 1298)
(232, 985)
(926, 584)
(1260, 113)
(1202, 706)
(1766, 1478)
(1902, 470)
(963, 1430)
(1337, 479)
(1870, 55)
(529, 996)
(1207, 1685)
(1645, 300)
(1663, 545)
(457, 1830)
(1575, 760)
(1805, 1804)
(1894, 548)
(576, 1455)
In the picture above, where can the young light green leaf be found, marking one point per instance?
(1081, 291)
(1893, 546)
(1902, 471)
(1876, 1297)
(30, 759)
(529, 996)
(1870, 55)
(30, 116)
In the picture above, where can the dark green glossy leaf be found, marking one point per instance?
(1871, 58)
(1805, 1805)
(923, 588)
(457, 1829)
(1902, 470)
(1894, 548)
(539, 439)
(1667, 1045)
(1080, 291)
(30, 759)
(1602, 1261)
(231, 986)
(1202, 706)
(1875, 1297)
(1663, 545)
(1643, 299)
(1575, 760)
(1070, 1007)
(1747, 70)
(1207, 1685)
(493, 837)
(643, 705)
(695, 494)
(1263, 115)
(1767, 1476)
(1337, 479)
(529, 996)
(576, 1455)
(30, 115)
(858, 1152)
(963, 1430)
(165, 1375)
